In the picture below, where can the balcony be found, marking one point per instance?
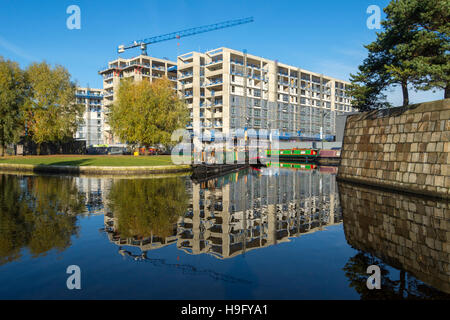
(186, 65)
(215, 61)
(214, 83)
(160, 68)
(237, 73)
(108, 67)
(258, 78)
(253, 66)
(89, 95)
(186, 85)
(214, 72)
(214, 93)
(186, 75)
(238, 62)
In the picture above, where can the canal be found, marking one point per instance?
(265, 233)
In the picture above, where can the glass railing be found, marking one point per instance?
(214, 61)
(241, 63)
(214, 82)
(237, 73)
(185, 75)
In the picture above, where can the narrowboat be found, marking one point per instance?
(293, 165)
(293, 154)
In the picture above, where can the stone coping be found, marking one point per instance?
(94, 170)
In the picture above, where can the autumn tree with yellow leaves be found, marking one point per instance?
(146, 113)
(51, 112)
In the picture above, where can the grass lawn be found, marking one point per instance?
(86, 160)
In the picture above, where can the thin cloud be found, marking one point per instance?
(15, 50)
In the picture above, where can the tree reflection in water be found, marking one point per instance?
(143, 208)
(407, 287)
(37, 213)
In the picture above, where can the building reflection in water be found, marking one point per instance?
(407, 232)
(244, 211)
(239, 212)
(94, 191)
(233, 214)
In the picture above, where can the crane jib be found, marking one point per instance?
(188, 32)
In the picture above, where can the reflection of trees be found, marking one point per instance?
(39, 214)
(148, 206)
(407, 287)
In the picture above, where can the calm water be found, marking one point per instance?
(248, 235)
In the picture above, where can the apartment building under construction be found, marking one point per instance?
(226, 89)
(137, 69)
(92, 128)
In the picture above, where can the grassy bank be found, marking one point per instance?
(86, 160)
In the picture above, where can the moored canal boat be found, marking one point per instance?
(293, 154)
(293, 165)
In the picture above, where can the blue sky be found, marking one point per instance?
(322, 36)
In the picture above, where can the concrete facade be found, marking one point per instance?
(408, 232)
(400, 148)
(226, 89)
(92, 130)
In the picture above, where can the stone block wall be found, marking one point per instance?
(408, 232)
(406, 148)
